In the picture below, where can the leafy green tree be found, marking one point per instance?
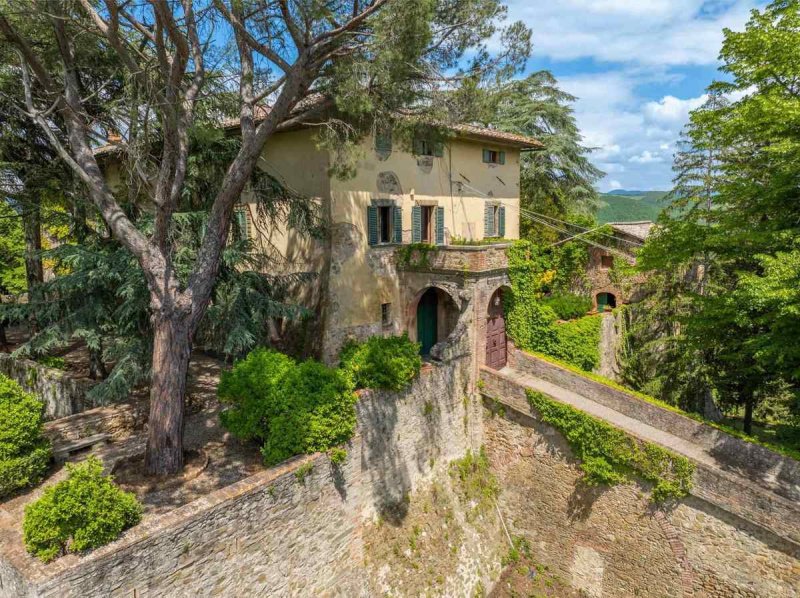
(363, 58)
(12, 249)
(743, 222)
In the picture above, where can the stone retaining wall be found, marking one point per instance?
(62, 394)
(727, 491)
(280, 533)
(118, 421)
(611, 542)
(762, 466)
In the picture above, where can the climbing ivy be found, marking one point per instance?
(610, 456)
(531, 322)
(415, 255)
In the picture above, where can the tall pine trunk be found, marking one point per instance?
(171, 352)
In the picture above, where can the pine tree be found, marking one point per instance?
(557, 180)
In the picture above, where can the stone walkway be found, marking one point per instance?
(617, 419)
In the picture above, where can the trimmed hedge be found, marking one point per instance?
(389, 363)
(83, 512)
(290, 408)
(24, 452)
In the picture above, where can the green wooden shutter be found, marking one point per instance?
(501, 222)
(418, 149)
(438, 149)
(487, 156)
(398, 224)
(241, 224)
(383, 140)
(439, 225)
(372, 225)
(488, 221)
(416, 224)
(502, 157)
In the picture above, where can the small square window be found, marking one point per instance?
(386, 314)
(606, 261)
(428, 147)
(491, 156)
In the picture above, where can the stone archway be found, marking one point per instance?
(605, 301)
(433, 317)
(496, 340)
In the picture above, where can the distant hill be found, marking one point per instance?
(622, 205)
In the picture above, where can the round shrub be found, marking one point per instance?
(85, 511)
(389, 363)
(568, 306)
(24, 451)
(289, 408)
(251, 389)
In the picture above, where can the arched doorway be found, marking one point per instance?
(606, 301)
(427, 320)
(496, 352)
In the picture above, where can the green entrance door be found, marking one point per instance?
(602, 301)
(427, 321)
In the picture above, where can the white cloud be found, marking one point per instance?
(646, 32)
(646, 157)
(628, 48)
(671, 110)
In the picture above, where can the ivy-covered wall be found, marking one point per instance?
(532, 323)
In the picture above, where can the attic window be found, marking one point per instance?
(383, 140)
(491, 156)
(427, 147)
(606, 261)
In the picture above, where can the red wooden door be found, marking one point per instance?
(496, 336)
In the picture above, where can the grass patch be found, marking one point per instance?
(476, 483)
(610, 456)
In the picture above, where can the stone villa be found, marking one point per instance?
(463, 190)
(376, 270)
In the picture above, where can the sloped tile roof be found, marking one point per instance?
(638, 230)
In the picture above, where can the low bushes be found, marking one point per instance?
(534, 326)
(389, 363)
(568, 306)
(608, 455)
(24, 452)
(578, 342)
(85, 511)
(289, 407)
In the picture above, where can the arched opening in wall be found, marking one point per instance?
(496, 341)
(606, 301)
(436, 317)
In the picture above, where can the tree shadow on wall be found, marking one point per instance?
(582, 499)
(388, 475)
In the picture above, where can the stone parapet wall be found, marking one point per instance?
(725, 490)
(611, 542)
(762, 466)
(62, 394)
(459, 258)
(279, 532)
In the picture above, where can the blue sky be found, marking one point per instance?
(637, 67)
